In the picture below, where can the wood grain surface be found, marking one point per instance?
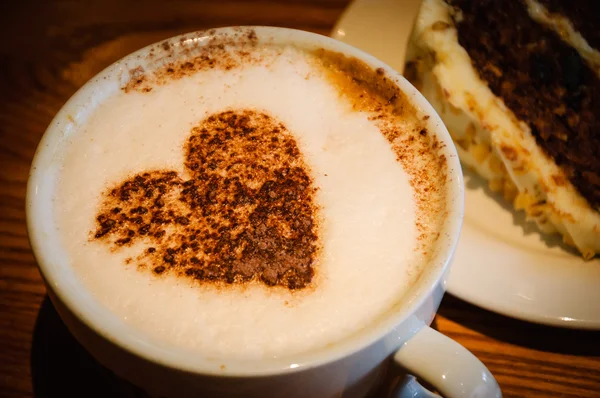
(48, 49)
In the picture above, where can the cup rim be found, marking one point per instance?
(359, 340)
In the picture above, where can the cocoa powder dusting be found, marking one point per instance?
(420, 153)
(194, 53)
(245, 210)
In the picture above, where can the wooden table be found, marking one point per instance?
(48, 50)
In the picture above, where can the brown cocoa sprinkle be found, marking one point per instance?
(241, 216)
(223, 51)
(367, 89)
(372, 91)
(122, 241)
(251, 35)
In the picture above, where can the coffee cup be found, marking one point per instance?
(348, 367)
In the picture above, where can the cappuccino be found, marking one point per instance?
(242, 199)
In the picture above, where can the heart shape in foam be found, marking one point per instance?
(246, 212)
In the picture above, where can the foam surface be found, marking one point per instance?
(367, 208)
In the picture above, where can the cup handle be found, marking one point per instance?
(446, 365)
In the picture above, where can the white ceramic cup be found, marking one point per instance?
(348, 368)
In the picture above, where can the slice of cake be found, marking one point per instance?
(517, 84)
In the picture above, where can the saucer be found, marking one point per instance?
(503, 263)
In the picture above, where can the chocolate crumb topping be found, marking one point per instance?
(542, 80)
(244, 212)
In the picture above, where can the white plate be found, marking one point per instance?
(502, 263)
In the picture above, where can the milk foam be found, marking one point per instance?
(368, 260)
